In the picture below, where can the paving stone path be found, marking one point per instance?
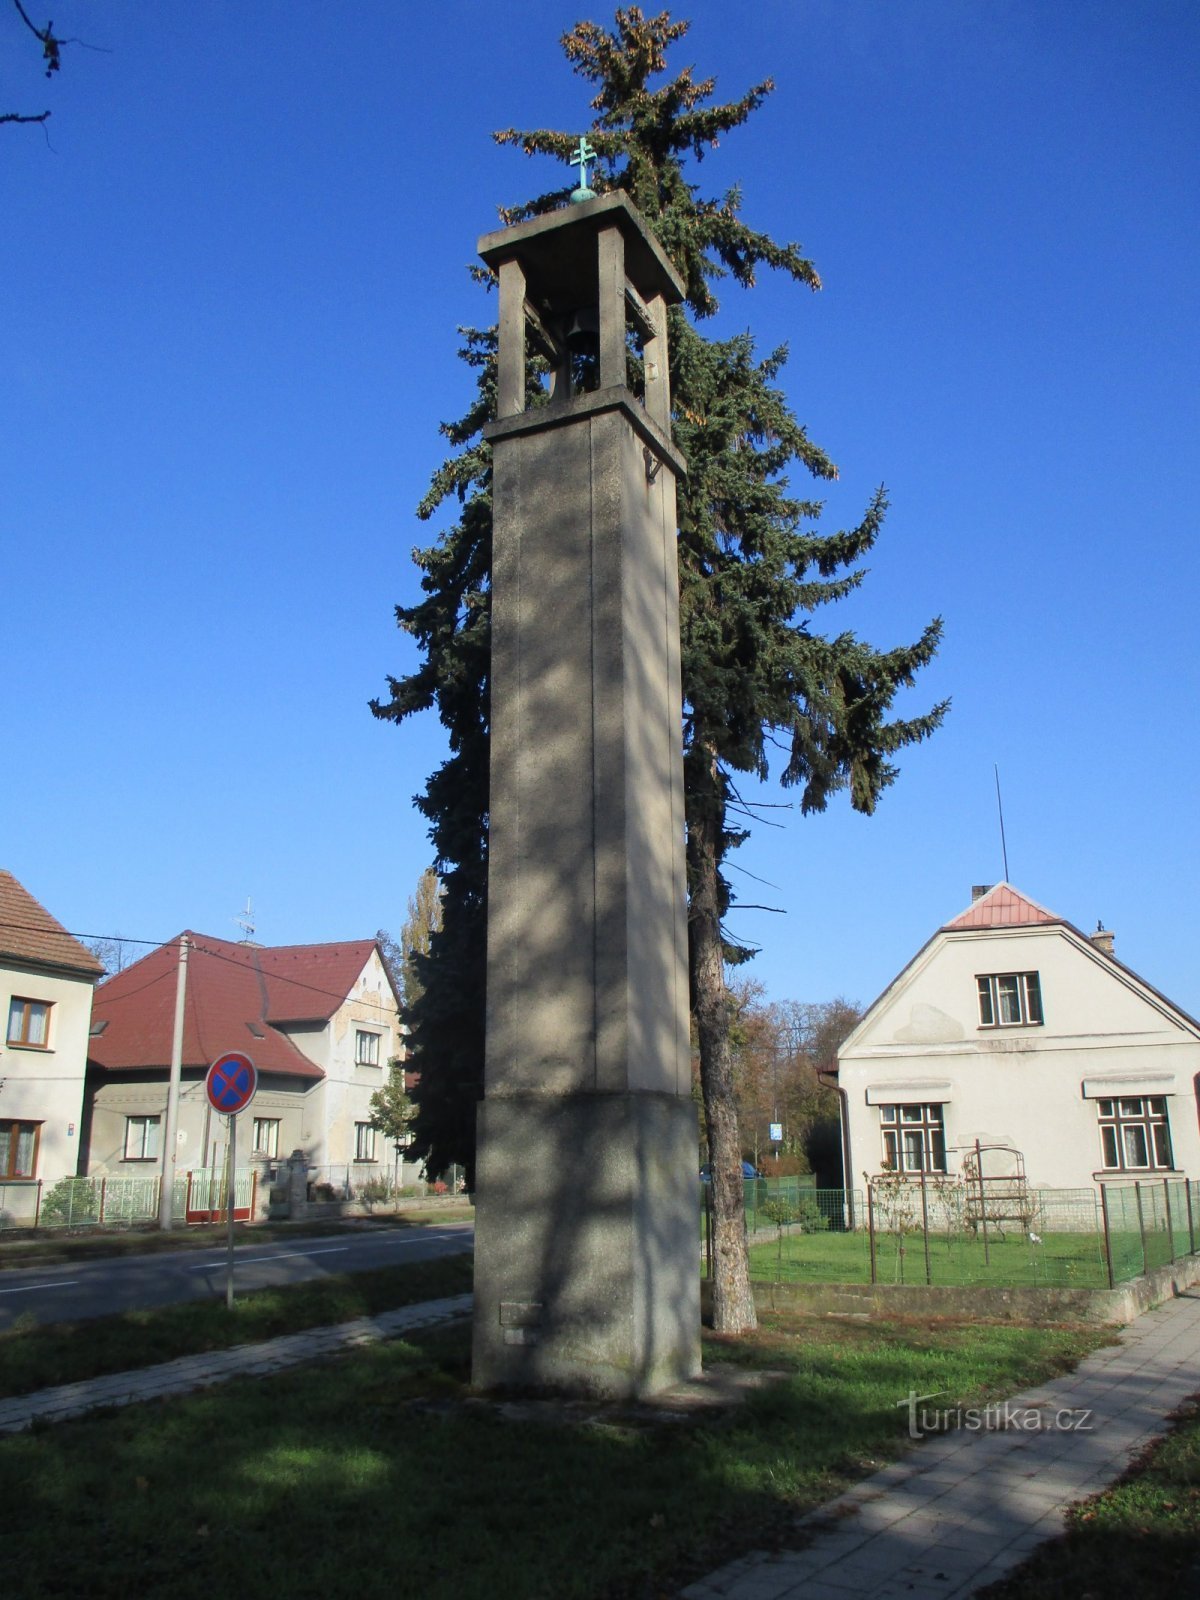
(961, 1510)
(218, 1366)
(965, 1507)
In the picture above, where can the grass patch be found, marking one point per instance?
(1062, 1260)
(372, 1466)
(1141, 1537)
(66, 1352)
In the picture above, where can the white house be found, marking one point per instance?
(46, 983)
(319, 1021)
(1012, 1028)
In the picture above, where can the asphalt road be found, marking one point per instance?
(78, 1290)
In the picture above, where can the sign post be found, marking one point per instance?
(230, 1086)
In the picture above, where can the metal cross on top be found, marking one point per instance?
(580, 159)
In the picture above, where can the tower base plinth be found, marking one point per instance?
(587, 1244)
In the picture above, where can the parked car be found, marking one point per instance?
(749, 1170)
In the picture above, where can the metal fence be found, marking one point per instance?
(117, 1201)
(903, 1230)
(368, 1181)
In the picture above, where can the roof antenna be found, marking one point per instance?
(246, 923)
(999, 808)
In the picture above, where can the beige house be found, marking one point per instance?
(319, 1021)
(1013, 1028)
(46, 983)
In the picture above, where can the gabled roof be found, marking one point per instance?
(28, 933)
(308, 982)
(1005, 907)
(238, 996)
(1002, 907)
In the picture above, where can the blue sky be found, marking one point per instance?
(233, 267)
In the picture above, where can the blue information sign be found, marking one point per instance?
(231, 1082)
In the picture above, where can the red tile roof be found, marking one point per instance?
(1002, 907)
(30, 934)
(236, 993)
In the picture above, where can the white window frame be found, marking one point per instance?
(1131, 1125)
(368, 1056)
(364, 1141)
(271, 1147)
(1010, 1000)
(21, 1011)
(143, 1134)
(914, 1138)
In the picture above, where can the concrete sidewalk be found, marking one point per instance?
(965, 1507)
(218, 1366)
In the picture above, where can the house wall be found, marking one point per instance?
(45, 1085)
(201, 1133)
(369, 1007)
(1021, 1085)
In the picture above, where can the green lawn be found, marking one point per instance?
(370, 1476)
(38, 1358)
(1141, 1537)
(1070, 1260)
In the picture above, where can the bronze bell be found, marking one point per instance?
(583, 332)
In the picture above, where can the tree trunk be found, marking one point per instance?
(732, 1300)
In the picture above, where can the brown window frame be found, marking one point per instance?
(928, 1125)
(1148, 1120)
(13, 1126)
(22, 1041)
(1028, 995)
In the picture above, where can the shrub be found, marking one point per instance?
(70, 1201)
(374, 1192)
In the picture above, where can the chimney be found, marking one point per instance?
(1103, 939)
(978, 890)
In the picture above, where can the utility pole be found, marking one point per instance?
(166, 1188)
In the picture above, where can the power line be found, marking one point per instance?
(58, 933)
(217, 955)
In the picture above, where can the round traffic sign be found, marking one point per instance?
(231, 1082)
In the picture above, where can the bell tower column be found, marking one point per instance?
(587, 1237)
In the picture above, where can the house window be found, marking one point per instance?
(19, 1149)
(1010, 1000)
(1134, 1134)
(914, 1138)
(141, 1138)
(366, 1048)
(29, 1023)
(364, 1141)
(266, 1136)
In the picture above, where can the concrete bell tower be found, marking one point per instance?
(587, 1238)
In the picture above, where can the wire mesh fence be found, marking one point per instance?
(901, 1229)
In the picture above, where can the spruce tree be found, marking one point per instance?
(753, 570)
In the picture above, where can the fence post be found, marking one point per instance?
(871, 1225)
(987, 1259)
(1112, 1280)
(1187, 1190)
(103, 1190)
(1137, 1190)
(1170, 1226)
(925, 1227)
(37, 1204)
